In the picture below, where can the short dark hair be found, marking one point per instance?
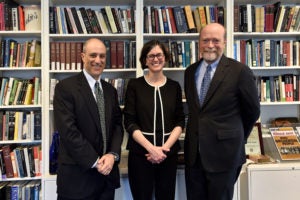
(150, 45)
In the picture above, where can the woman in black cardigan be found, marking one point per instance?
(154, 120)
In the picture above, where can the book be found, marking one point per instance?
(13, 91)
(172, 20)
(31, 161)
(102, 22)
(113, 54)
(79, 46)
(26, 157)
(20, 163)
(81, 21)
(180, 20)
(8, 91)
(106, 20)
(70, 21)
(11, 124)
(7, 160)
(117, 20)
(36, 99)
(4, 85)
(28, 94)
(52, 20)
(14, 164)
(287, 142)
(68, 55)
(52, 55)
(62, 55)
(37, 125)
(189, 18)
(2, 165)
(34, 56)
(86, 20)
(73, 55)
(111, 20)
(197, 19)
(160, 21)
(93, 21)
(36, 156)
(108, 56)
(120, 54)
(165, 23)
(76, 20)
(32, 18)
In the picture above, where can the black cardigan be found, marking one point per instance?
(139, 110)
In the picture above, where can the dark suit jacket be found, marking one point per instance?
(221, 126)
(78, 123)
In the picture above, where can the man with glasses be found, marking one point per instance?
(223, 106)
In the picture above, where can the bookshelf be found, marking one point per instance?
(23, 134)
(270, 108)
(258, 176)
(47, 73)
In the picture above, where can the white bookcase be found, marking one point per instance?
(23, 72)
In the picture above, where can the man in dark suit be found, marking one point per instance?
(86, 170)
(220, 122)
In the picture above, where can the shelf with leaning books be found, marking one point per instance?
(83, 19)
(268, 17)
(21, 105)
(185, 17)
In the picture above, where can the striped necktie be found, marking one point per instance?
(205, 84)
(101, 109)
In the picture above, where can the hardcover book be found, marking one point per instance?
(286, 142)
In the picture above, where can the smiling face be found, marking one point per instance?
(94, 57)
(155, 59)
(212, 42)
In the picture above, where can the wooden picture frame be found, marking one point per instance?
(254, 144)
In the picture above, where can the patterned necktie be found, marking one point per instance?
(205, 84)
(101, 109)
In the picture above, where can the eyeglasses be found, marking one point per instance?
(159, 56)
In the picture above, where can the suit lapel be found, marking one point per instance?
(89, 98)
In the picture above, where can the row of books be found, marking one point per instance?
(20, 54)
(17, 91)
(14, 17)
(180, 19)
(121, 86)
(281, 88)
(266, 18)
(182, 53)
(265, 53)
(20, 161)
(83, 20)
(20, 125)
(66, 55)
(20, 190)
(119, 83)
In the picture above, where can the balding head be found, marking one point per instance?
(212, 42)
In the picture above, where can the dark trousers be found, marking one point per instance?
(104, 195)
(146, 178)
(204, 185)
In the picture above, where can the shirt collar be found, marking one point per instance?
(91, 80)
(213, 65)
